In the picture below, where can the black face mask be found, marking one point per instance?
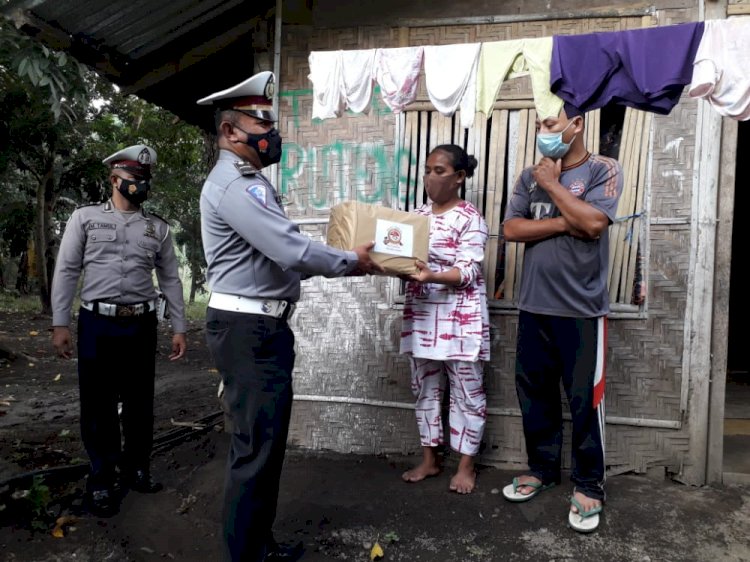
(134, 191)
(267, 145)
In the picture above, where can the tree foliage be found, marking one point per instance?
(58, 120)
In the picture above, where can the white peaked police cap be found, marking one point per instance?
(136, 159)
(253, 96)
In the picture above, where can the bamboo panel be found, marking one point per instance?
(624, 292)
(514, 249)
(624, 234)
(458, 132)
(471, 190)
(401, 168)
(480, 141)
(635, 236)
(530, 158)
(596, 117)
(592, 132)
(422, 147)
(495, 192)
(496, 170)
(617, 231)
(624, 207)
(434, 131)
(412, 127)
(738, 7)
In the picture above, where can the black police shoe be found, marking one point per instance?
(284, 553)
(102, 503)
(141, 481)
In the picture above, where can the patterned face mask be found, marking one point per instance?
(267, 145)
(135, 191)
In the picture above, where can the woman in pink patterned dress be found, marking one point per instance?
(446, 323)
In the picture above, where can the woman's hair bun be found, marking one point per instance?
(471, 165)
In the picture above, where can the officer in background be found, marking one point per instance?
(256, 257)
(117, 245)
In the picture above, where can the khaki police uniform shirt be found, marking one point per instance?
(117, 253)
(252, 249)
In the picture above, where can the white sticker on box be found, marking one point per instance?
(395, 238)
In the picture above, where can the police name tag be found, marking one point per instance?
(394, 238)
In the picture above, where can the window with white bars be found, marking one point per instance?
(504, 144)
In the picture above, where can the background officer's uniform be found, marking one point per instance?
(117, 253)
(255, 257)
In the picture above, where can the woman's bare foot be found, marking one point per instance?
(430, 466)
(464, 480)
(420, 472)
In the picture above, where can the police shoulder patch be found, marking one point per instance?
(257, 191)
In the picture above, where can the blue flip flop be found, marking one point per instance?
(583, 521)
(511, 493)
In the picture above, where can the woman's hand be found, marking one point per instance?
(423, 275)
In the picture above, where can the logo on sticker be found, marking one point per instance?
(577, 188)
(393, 237)
(258, 192)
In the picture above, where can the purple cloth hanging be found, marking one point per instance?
(642, 68)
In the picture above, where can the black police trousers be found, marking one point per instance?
(116, 363)
(551, 348)
(255, 356)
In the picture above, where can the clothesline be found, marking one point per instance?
(645, 68)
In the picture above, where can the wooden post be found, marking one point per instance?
(722, 275)
(700, 297)
(697, 349)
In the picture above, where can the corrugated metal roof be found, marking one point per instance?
(170, 52)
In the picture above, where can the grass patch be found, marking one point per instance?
(30, 304)
(196, 310)
(25, 303)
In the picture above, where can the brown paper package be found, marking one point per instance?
(352, 224)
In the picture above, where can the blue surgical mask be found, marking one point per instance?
(552, 145)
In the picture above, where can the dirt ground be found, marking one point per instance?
(338, 505)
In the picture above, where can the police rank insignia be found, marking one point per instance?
(258, 192)
(144, 157)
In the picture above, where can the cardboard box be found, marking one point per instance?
(400, 238)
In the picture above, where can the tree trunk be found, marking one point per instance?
(44, 259)
(22, 275)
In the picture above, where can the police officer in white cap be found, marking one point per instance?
(117, 245)
(256, 257)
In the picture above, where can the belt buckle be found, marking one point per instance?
(267, 307)
(125, 310)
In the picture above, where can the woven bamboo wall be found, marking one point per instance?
(348, 329)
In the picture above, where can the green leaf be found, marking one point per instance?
(22, 67)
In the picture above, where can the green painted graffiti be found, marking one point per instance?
(319, 177)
